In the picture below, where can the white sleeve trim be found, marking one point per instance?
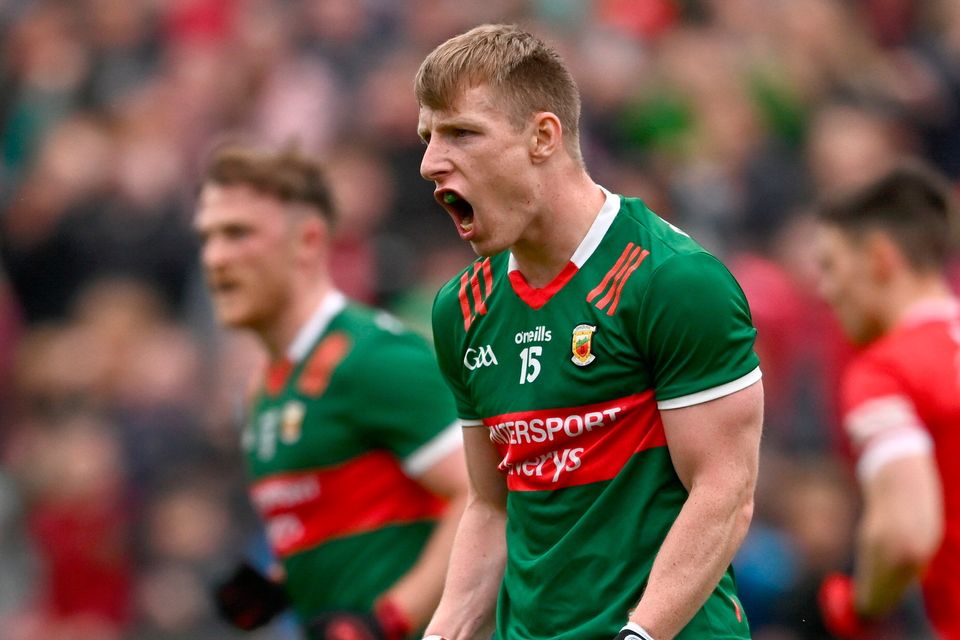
(429, 454)
(879, 415)
(711, 394)
(471, 422)
(882, 451)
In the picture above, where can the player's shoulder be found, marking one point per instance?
(374, 325)
(919, 348)
(661, 237)
(371, 334)
(472, 285)
(672, 260)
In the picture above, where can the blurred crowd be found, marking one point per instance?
(121, 482)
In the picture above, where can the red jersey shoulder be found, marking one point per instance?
(921, 361)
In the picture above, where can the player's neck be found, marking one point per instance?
(568, 210)
(284, 330)
(913, 291)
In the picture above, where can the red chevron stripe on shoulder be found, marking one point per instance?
(473, 296)
(615, 279)
(614, 269)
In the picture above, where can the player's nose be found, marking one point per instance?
(434, 164)
(213, 254)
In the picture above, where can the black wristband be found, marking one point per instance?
(633, 631)
(248, 600)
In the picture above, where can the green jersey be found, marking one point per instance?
(339, 432)
(570, 379)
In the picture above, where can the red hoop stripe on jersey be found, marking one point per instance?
(478, 297)
(606, 279)
(551, 449)
(304, 509)
(623, 281)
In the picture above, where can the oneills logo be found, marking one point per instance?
(582, 341)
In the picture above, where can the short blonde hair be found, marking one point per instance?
(529, 76)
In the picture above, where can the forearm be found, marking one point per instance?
(900, 532)
(882, 574)
(697, 550)
(878, 588)
(477, 561)
(418, 591)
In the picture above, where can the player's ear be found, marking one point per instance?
(884, 254)
(546, 136)
(313, 233)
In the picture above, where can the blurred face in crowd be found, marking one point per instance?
(481, 165)
(249, 247)
(847, 281)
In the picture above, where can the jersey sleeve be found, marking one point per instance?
(405, 406)
(447, 337)
(696, 332)
(879, 416)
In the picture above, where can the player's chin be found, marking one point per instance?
(232, 315)
(487, 247)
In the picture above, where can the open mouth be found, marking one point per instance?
(223, 287)
(458, 207)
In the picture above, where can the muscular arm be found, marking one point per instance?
(479, 553)
(901, 530)
(715, 449)
(417, 592)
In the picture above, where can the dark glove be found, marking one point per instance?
(839, 615)
(633, 631)
(248, 599)
(386, 622)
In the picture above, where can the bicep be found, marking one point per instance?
(717, 440)
(903, 499)
(446, 477)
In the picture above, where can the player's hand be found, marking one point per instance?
(386, 622)
(837, 609)
(248, 600)
(633, 631)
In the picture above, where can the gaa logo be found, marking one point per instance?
(482, 357)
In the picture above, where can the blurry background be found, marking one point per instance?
(121, 485)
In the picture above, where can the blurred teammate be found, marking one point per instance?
(603, 366)
(882, 253)
(353, 448)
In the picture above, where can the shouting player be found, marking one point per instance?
(353, 448)
(882, 253)
(603, 367)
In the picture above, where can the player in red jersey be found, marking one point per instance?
(882, 253)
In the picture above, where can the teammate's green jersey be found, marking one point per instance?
(339, 432)
(570, 379)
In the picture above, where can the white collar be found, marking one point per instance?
(331, 304)
(590, 242)
(931, 310)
